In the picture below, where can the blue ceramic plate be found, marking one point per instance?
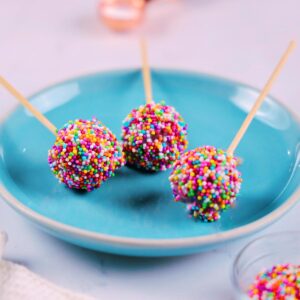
(133, 213)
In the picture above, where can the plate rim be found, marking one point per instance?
(162, 243)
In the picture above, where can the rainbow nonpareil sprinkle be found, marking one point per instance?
(281, 282)
(207, 179)
(85, 154)
(154, 136)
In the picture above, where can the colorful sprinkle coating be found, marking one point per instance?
(281, 282)
(85, 154)
(207, 179)
(154, 136)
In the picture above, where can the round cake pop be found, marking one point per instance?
(154, 136)
(207, 179)
(85, 154)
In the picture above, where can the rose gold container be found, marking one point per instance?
(122, 15)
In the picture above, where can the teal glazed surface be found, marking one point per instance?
(134, 213)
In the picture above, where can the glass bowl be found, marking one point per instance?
(264, 253)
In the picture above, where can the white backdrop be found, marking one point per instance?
(42, 42)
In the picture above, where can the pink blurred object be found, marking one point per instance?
(122, 14)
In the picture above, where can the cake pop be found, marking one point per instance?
(85, 152)
(207, 178)
(153, 135)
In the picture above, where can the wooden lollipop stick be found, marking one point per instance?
(146, 71)
(260, 98)
(28, 105)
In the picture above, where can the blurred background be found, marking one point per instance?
(44, 42)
